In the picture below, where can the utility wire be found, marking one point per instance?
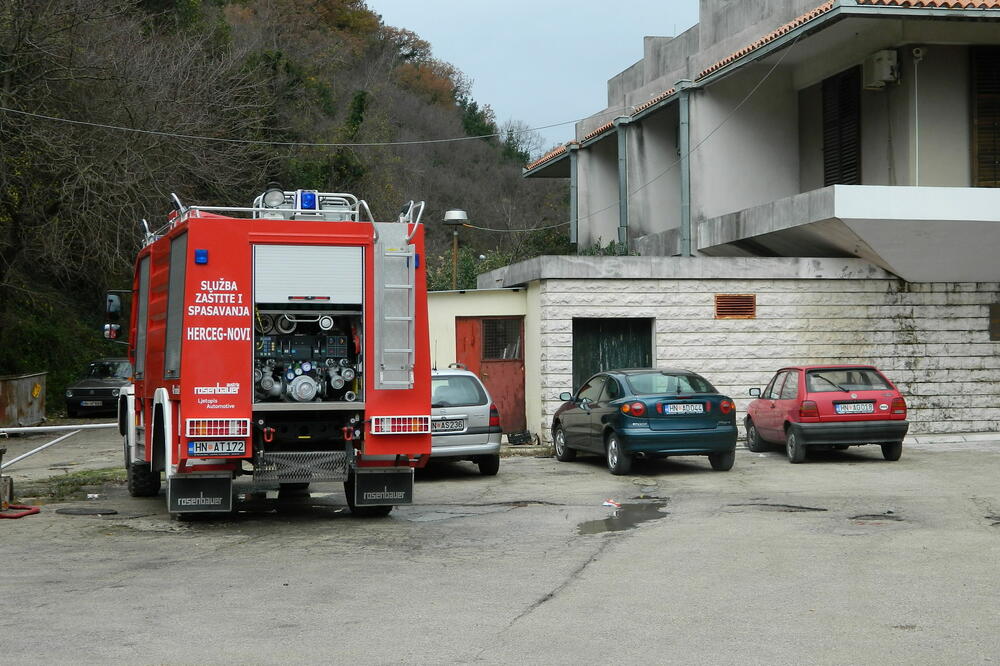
(375, 144)
(301, 144)
(551, 226)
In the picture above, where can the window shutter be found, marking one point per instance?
(735, 306)
(842, 128)
(986, 117)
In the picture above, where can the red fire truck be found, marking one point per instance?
(286, 342)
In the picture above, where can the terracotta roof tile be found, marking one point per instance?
(600, 130)
(659, 98)
(935, 4)
(770, 37)
(546, 157)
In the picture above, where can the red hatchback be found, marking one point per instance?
(827, 405)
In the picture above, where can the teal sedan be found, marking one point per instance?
(647, 413)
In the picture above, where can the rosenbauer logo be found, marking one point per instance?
(384, 494)
(232, 388)
(200, 501)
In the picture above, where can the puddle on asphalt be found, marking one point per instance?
(627, 517)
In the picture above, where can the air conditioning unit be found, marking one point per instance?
(880, 69)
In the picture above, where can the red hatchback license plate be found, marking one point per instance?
(854, 408)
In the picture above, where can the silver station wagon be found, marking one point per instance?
(464, 421)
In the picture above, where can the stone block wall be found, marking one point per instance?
(931, 339)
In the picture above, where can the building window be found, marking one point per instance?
(842, 128)
(986, 117)
(501, 339)
(995, 322)
(735, 306)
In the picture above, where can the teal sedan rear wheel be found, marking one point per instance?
(722, 462)
(619, 462)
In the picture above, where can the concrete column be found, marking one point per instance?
(621, 127)
(684, 147)
(574, 186)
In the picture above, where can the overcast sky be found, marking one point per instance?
(539, 61)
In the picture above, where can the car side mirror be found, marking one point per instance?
(565, 396)
(112, 331)
(754, 392)
(113, 307)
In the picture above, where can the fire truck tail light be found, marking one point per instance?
(218, 428)
(399, 425)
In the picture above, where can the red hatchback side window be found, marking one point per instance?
(773, 390)
(790, 390)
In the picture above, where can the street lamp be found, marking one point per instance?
(455, 218)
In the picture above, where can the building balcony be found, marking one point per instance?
(921, 234)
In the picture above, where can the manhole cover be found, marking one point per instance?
(85, 511)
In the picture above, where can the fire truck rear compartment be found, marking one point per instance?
(308, 325)
(301, 447)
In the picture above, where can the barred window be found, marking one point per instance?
(501, 339)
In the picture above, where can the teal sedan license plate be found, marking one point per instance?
(690, 408)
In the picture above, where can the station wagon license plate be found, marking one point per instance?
(693, 408)
(447, 426)
(854, 408)
(91, 403)
(223, 447)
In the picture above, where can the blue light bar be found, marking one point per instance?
(307, 200)
(201, 256)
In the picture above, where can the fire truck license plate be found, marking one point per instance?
(446, 426)
(219, 448)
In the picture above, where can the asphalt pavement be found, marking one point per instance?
(844, 559)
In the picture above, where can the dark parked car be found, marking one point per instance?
(650, 413)
(98, 390)
(830, 406)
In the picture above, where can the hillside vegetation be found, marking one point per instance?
(239, 72)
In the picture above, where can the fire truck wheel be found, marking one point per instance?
(489, 465)
(364, 511)
(142, 482)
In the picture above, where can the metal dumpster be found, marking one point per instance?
(22, 400)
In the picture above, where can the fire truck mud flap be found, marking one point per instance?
(200, 494)
(380, 487)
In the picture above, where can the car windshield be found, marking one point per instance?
(845, 379)
(456, 391)
(653, 383)
(109, 369)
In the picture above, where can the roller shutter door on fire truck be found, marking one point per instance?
(322, 274)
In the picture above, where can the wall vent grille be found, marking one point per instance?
(735, 306)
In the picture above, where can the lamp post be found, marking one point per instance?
(455, 218)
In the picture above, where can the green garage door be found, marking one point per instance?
(603, 344)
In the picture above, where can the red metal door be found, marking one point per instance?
(493, 348)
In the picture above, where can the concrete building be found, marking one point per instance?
(802, 183)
